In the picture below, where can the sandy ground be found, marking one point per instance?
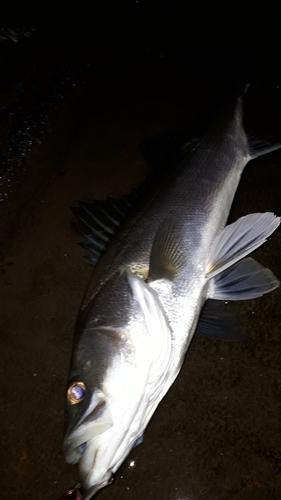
(217, 434)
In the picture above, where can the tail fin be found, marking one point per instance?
(258, 148)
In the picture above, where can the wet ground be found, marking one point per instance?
(217, 433)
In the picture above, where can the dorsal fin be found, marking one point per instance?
(98, 221)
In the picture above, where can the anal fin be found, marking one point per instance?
(247, 279)
(219, 321)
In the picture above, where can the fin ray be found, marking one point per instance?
(259, 148)
(239, 239)
(247, 279)
(99, 221)
(167, 257)
(219, 321)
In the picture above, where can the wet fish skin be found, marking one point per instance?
(121, 374)
(132, 335)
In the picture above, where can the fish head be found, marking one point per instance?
(90, 395)
(108, 396)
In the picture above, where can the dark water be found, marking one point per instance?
(217, 433)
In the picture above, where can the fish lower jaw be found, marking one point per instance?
(92, 490)
(96, 477)
(74, 456)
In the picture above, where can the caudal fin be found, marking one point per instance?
(258, 148)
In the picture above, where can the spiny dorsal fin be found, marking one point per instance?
(99, 221)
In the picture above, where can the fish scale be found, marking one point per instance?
(148, 290)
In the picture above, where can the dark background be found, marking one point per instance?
(78, 93)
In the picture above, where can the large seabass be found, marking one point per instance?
(146, 297)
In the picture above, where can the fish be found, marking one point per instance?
(150, 288)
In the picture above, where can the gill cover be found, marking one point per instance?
(159, 333)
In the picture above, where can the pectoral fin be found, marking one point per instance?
(167, 257)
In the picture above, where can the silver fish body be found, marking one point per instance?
(147, 294)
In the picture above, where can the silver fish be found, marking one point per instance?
(148, 291)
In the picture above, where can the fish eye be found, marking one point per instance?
(76, 392)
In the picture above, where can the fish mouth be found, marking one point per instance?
(74, 450)
(95, 421)
(93, 453)
(75, 453)
(76, 443)
(82, 448)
